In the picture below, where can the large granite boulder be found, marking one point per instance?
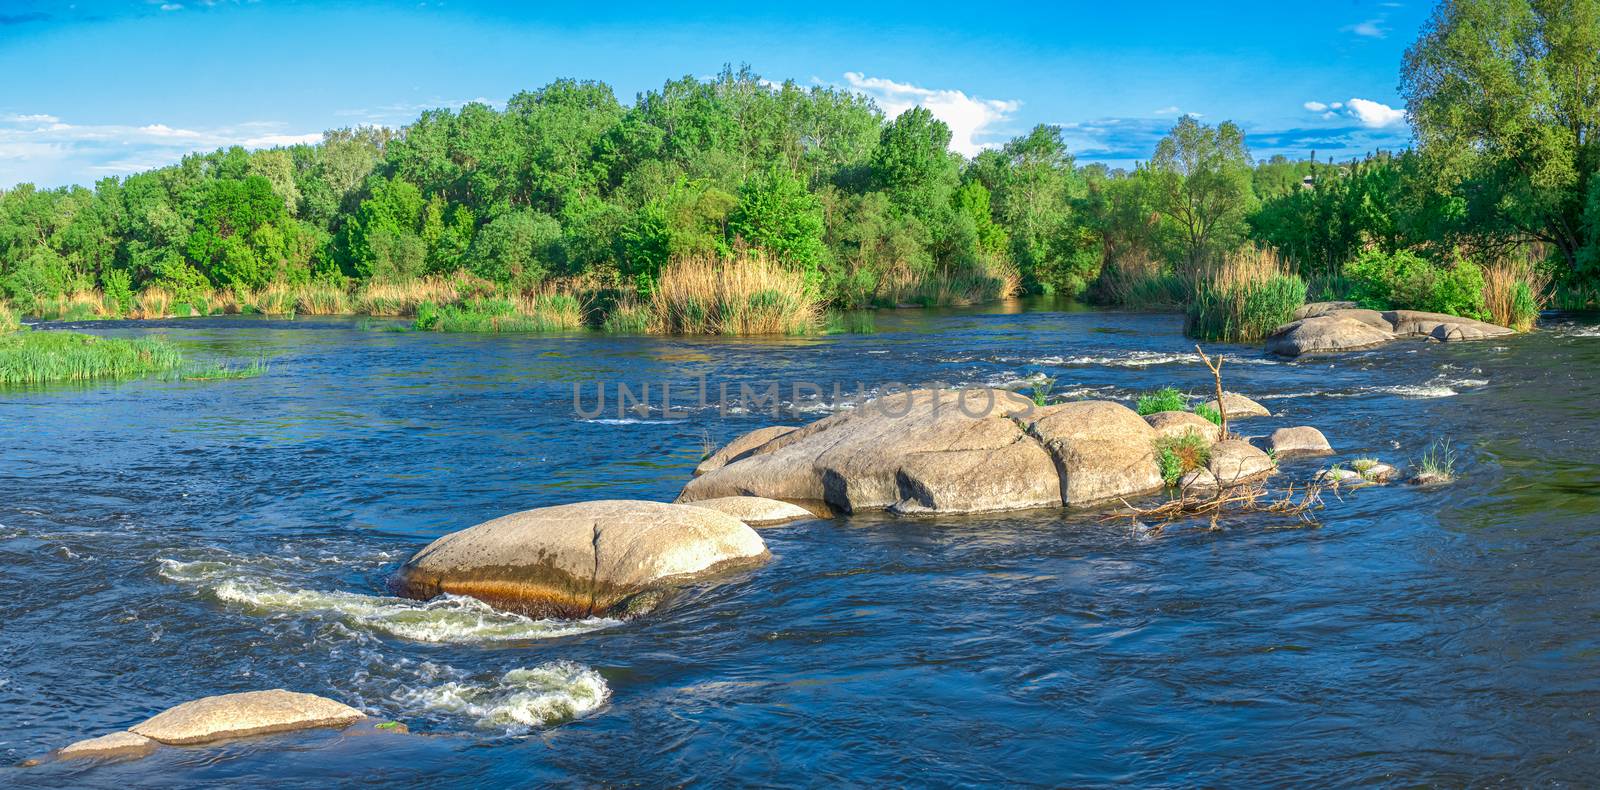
(741, 446)
(756, 511)
(248, 713)
(1303, 440)
(1237, 461)
(944, 451)
(1177, 424)
(1438, 326)
(1239, 406)
(608, 557)
(1103, 449)
(1328, 333)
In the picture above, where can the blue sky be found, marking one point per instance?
(98, 88)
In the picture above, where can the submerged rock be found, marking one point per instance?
(1360, 472)
(1102, 449)
(944, 451)
(1239, 406)
(1303, 440)
(756, 511)
(1237, 461)
(608, 557)
(117, 744)
(1177, 424)
(249, 713)
(1430, 478)
(741, 446)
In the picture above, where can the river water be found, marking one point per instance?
(163, 540)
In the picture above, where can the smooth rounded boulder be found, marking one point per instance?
(1302, 440)
(1326, 334)
(741, 446)
(756, 511)
(920, 451)
(1239, 406)
(587, 559)
(248, 713)
(1102, 449)
(1236, 461)
(1177, 424)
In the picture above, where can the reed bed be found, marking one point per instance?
(1514, 291)
(749, 294)
(956, 286)
(1138, 281)
(10, 321)
(1243, 297)
(540, 312)
(34, 357)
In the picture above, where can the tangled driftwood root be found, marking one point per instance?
(1297, 502)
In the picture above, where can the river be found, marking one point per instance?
(162, 540)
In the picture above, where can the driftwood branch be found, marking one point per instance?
(1216, 373)
(1296, 501)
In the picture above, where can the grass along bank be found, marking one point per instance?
(30, 356)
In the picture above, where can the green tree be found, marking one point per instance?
(776, 213)
(1200, 183)
(1505, 96)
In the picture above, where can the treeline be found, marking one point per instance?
(567, 189)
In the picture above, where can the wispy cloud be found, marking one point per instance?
(39, 148)
(1369, 28)
(401, 113)
(973, 121)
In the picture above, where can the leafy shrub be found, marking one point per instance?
(1208, 412)
(1406, 281)
(1244, 298)
(119, 290)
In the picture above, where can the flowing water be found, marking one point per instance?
(163, 540)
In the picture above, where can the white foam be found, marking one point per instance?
(446, 619)
(519, 700)
(1142, 359)
(630, 421)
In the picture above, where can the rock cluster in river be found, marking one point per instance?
(1331, 327)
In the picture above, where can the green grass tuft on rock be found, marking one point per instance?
(1164, 399)
(1178, 455)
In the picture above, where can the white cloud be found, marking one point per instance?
(1371, 28)
(171, 6)
(968, 117)
(1371, 114)
(1173, 110)
(52, 153)
(1375, 115)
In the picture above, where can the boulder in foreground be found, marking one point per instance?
(1103, 450)
(1236, 461)
(601, 558)
(247, 713)
(756, 511)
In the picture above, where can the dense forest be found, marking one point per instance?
(569, 191)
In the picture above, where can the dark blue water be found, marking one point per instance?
(164, 540)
